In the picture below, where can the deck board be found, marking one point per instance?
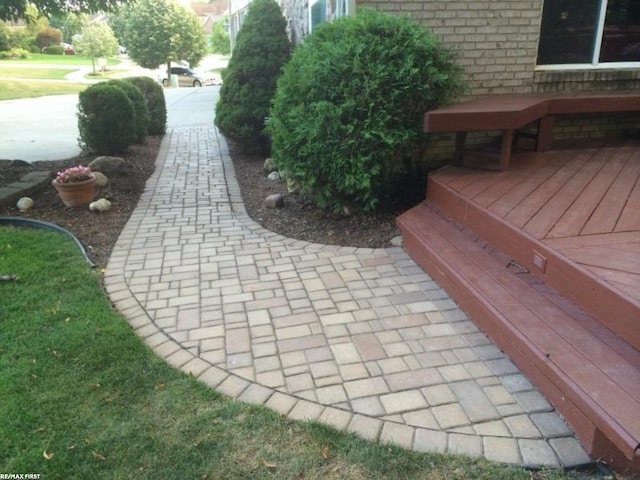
(510, 200)
(531, 205)
(606, 215)
(576, 217)
(557, 206)
(584, 203)
(630, 217)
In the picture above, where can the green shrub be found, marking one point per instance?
(140, 113)
(21, 38)
(105, 119)
(261, 49)
(53, 50)
(156, 104)
(346, 121)
(4, 37)
(14, 53)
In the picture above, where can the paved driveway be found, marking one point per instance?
(46, 128)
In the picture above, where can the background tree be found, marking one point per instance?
(5, 37)
(161, 32)
(118, 23)
(70, 24)
(96, 40)
(219, 38)
(16, 9)
(249, 83)
(48, 36)
(35, 20)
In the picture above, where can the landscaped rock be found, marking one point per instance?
(292, 186)
(274, 176)
(24, 204)
(270, 165)
(106, 164)
(274, 201)
(397, 241)
(101, 179)
(100, 206)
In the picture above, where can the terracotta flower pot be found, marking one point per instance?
(75, 194)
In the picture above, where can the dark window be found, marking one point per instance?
(621, 35)
(573, 32)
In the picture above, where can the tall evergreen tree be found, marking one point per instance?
(249, 83)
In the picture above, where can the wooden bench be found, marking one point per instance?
(510, 113)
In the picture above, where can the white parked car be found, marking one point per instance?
(187, 77)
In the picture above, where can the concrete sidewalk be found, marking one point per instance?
(360, 339)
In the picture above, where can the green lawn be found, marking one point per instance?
(83, 397)
(43, 73)
(11, 89)
(57, 59)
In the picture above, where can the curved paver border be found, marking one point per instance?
(353, 339)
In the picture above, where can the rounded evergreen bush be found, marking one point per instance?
(156, 104)
(249, 82)
(346, 120)
(105, 119)
(140, 113)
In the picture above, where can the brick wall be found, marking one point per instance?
(497, 41)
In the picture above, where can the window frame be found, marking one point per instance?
(343, 8)
(597, 48)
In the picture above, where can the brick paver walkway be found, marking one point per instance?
(361, 339)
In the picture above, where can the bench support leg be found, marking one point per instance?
(461, 138)
(545, 133)
(505, 154)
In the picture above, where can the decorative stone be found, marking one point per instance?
(292, 186)
(397, 241)
(269, 165)
(101, 179)
(101, 205)
(106, 164)
(24, 204)
(274, 201)
(274, 176)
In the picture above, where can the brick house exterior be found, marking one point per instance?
(497, 44)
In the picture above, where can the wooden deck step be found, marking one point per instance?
(592, 384)
(522, 212)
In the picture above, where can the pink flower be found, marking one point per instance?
(74, 174)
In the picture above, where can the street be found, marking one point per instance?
(46, 128)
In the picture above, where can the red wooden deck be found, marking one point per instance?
(579, 206)
(571, 218)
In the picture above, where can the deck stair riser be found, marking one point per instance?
(595, 387)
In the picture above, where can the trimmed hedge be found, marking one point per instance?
(53, 50)
(140, 113)
(105, 119)
(346, 120)
(153, 95)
